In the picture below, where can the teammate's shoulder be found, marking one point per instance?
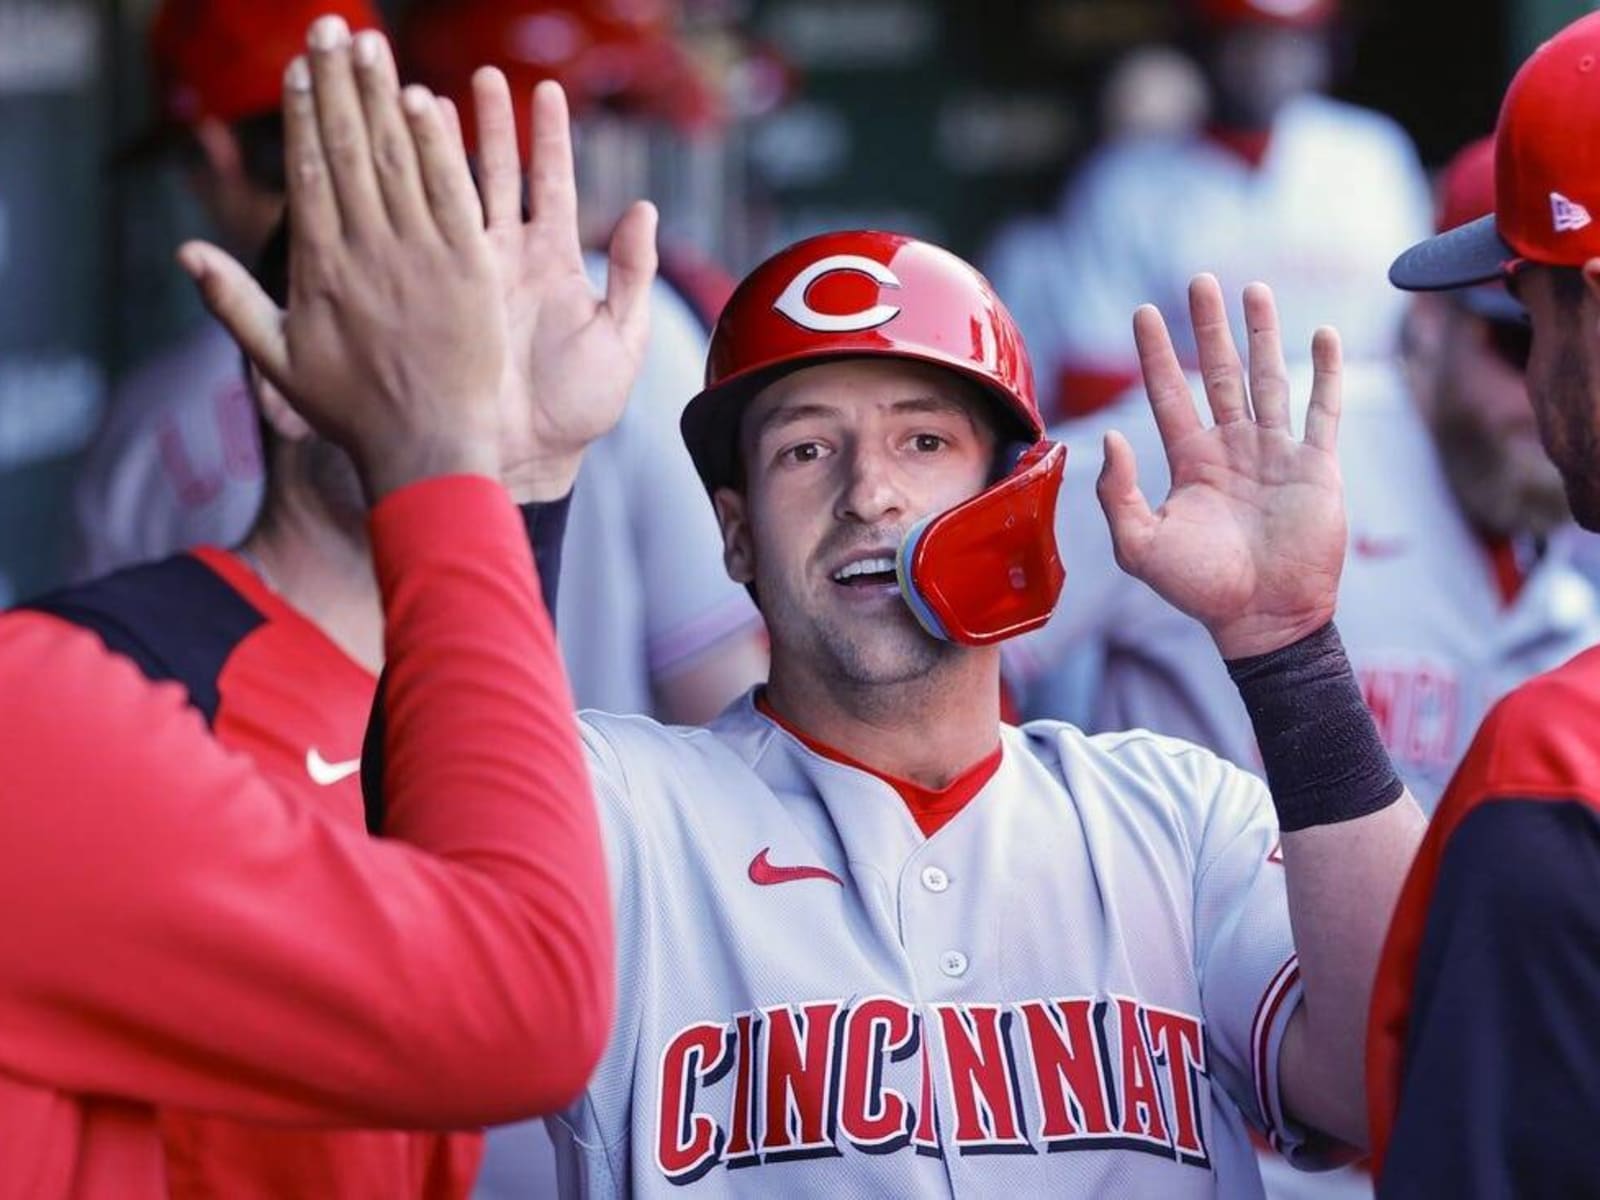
(1331, 124)
(176, 619)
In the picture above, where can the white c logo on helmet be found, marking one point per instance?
(792, 303)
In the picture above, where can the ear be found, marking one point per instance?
(276, 409)
(220, 147)
(738, 549)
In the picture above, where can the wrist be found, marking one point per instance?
(1255, 636)
(539, 481)
(1323, 758)
(404, 461)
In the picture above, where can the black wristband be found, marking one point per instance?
(1324, 760)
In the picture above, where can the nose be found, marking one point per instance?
(872, 489)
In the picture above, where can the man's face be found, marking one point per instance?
(1561, 383)
(841, 459)
(1257, 69)
(1473, 392)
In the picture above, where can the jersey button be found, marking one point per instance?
(934, 879)
(953, 963)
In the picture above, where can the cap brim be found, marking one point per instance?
(1491, 302)
(1472, 253)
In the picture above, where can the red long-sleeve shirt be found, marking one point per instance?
(177, 933)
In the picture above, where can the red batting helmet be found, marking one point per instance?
(984, 570)
(1298, 14)
(622, 53)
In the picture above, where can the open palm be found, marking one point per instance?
(1250, 539)
(572, 354)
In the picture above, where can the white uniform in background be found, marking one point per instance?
(1339, 193)
(178, 463)
(1419, 608)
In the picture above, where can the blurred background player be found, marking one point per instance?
(1458, 584)
(277, 644)
(647, 618)
(649, 622)
(177, 461)
(1283, 184)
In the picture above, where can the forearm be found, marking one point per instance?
(1343, 880)
(1349, 832)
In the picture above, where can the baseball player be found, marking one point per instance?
(871, 940)
(648, 621)
(177, 462)
(1285, 185)
(1459, 582)
(183, 935)
(276, 645)
(1482, 1050)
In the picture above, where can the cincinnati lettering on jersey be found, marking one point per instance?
(1415, 706)
(803, 1081)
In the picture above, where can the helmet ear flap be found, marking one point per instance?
(989, 569)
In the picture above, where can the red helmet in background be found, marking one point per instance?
(604, 53)
(1296, 14)
(982, 571)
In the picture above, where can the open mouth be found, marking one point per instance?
(867, 572)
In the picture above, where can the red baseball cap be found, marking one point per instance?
(225, 58)
(1295, 14)
(1547, 175)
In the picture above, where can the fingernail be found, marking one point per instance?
(297, 77)
(368, 43)
(417, 99)
(329, 33)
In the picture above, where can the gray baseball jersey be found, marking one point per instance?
(1428, 633)
(1078, 986)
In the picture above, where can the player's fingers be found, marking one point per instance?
(394, 154)
(313, 209)
(1164, 381)
(552, 187)
(631, 271)
(1221, 373)
(1269, 374)
(237, 301)
(499, 156)
(446, 178)
(1327, 390)
(343, 128)
(451, 116)
(1127, 512)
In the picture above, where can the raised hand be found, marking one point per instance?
(573, 354)
(1250, 540)
(394, 342)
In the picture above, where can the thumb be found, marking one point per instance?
(1127, 512)
(631, 271)
(239, 304)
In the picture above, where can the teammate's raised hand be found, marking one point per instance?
(393, 343)
(573, 354)
(1250, 540)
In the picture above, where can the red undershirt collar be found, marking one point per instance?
(1249, 144)
(931, 808)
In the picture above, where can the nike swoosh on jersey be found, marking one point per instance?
(324, 773)
(764, 874)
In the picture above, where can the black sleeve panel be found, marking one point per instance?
(1502, 1063)
(175, 619)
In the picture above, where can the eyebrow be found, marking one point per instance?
(792, 414)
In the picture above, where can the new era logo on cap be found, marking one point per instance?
(1567, 215)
